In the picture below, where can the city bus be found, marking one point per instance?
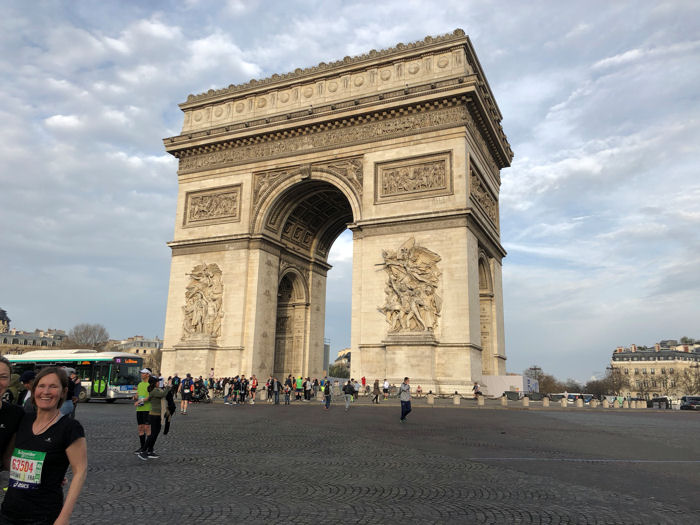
(103, 375)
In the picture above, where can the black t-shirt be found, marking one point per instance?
(38, 466)
(10, 417)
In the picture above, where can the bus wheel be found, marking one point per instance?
(110, 400)
(82, 395)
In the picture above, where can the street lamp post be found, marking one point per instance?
(536, 372)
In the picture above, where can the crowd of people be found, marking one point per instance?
(240, 390)
(40, 437)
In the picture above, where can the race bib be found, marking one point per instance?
(25, 468)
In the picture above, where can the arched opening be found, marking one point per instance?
(339, 296)
(292, 312)
(486, 316)
(305, 218)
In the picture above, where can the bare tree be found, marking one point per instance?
(87, 335)
(689, 380)
(597, 387)
(615, 381)
(571, 385)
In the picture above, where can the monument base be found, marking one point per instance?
(198, 355)
(440, 368)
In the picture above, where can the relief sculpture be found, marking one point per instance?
(419, 177)
(414, 178)
(203, 301)
(484, 198)
(411, 300)
(213, 205)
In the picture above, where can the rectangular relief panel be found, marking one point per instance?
(213, 206)
(413, 178)
(482, 195)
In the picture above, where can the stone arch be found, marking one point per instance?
(309, 210)
(486, 315)
(290, 326)
(485, 277)
(399, 165)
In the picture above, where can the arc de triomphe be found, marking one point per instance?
(403, 146)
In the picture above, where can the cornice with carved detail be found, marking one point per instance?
(457, 34)
(327, 135)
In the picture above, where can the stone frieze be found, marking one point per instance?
(345, 134)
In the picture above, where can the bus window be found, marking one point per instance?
(125, 374)
(99, 383)
(84, 371)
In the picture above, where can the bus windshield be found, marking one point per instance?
(124, 374)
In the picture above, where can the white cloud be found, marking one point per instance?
(63, 121)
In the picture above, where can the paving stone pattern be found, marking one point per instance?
(301, 464)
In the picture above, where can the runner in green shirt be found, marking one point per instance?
(142, 409)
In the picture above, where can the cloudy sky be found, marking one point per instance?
(600, 211)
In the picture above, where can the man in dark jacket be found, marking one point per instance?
(275, 389)
(349, 391)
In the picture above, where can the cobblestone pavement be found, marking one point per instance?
(301, 464)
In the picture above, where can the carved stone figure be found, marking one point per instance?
(411, 302)
(203, 301)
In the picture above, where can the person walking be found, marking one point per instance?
(142, 409)
(24, 396)
(299, 388)
(155, 397)
(175, 385)
(243, 390)
(76, 390)
(375, 392)
(253, 388)
(327, 394)
(307, 389)
(385, 389)
(405, 396)
(185, 393)
(68, 405)
(349, 391)
(276, 387)
(269, 385)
